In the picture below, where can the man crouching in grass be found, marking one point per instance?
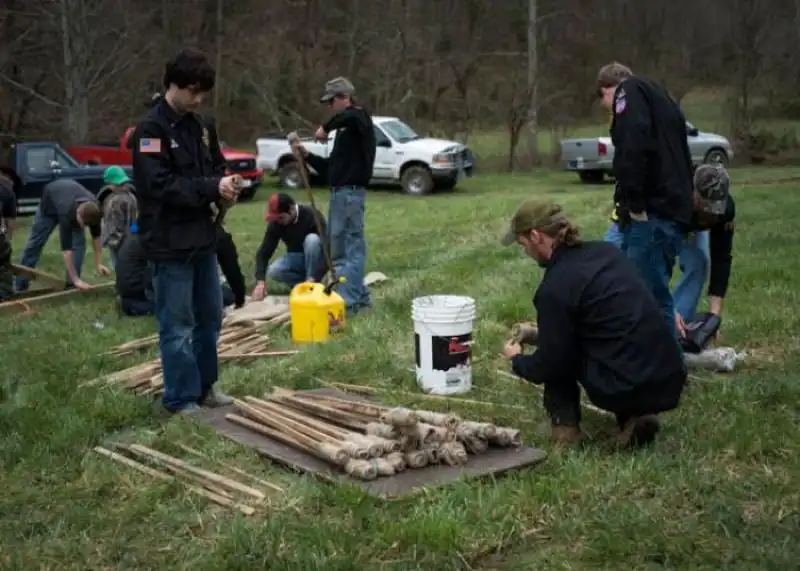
(599, 328)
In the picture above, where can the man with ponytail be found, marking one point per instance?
(599, 328)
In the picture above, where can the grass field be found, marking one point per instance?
(718, 490)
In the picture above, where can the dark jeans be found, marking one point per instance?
(653, 246)
(189, 313)
(562, 401)
(295, 267)
(348, 247)
(41, 229)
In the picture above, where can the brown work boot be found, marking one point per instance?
(638, 431)
(565, 436)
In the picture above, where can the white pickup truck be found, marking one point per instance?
(419, 165)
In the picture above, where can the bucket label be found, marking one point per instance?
(453, 352)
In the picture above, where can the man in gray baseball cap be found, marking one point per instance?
(712, 225)
(340, 86)
(348, 169)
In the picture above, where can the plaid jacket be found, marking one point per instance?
(120, 210)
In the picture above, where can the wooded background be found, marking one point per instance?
(81, 70)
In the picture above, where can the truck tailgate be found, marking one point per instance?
(586, 154)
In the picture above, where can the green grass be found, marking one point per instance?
(718, 490)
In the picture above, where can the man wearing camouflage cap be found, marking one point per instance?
(348, 169)
(714, 211)
(599, 328)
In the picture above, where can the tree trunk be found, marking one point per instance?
(75, 90)
(533, 85)
(218, 64)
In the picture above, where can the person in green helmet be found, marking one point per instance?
(119, 208)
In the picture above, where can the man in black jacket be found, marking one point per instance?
(296, 226)
(348, 170)
(179, 177)
(653, 168)
(599, 328)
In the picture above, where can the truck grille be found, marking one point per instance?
(242, 165)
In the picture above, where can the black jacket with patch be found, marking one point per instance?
(599, 324)
(652, 162)
(177, 166)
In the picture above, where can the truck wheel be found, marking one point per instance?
(416, 181)
(716, 157)
(290, 177)
(592, 177)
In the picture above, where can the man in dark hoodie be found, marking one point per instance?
(599, 328)
(348, 170)
(653, 168)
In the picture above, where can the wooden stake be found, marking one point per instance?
(217, 499)
(210, 476)
(232, 468)
(586, 405)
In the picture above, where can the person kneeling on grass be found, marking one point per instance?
(295, 225)
(714, 211)
(135, 295)
(599, 328)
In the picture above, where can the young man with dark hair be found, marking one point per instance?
(179, 178)
(598, 328)
(296, 226)
(8, 221)
(653, 168)
(69, 206)
(348, 170)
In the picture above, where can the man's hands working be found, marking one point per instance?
(259, 292)
(512, 349)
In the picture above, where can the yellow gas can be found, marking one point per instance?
(316, 313)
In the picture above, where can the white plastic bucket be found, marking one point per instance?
(443, 343)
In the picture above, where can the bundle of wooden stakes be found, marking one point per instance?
(367, 440)
(236, 342)
(218, 488)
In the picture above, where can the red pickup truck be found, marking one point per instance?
(240, 163)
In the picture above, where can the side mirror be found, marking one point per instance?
(384, 143)
(693, 132)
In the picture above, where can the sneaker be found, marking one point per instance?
(565, 435)
(216, 399)
(190, 408)
(639, 431)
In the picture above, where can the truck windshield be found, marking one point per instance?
(399, 131)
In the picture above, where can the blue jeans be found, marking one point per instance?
(348, 245)
(693, 262)
(296, 267)
(652, 246)
(41, 229)
(189, 313)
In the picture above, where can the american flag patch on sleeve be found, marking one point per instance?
(149, 145)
